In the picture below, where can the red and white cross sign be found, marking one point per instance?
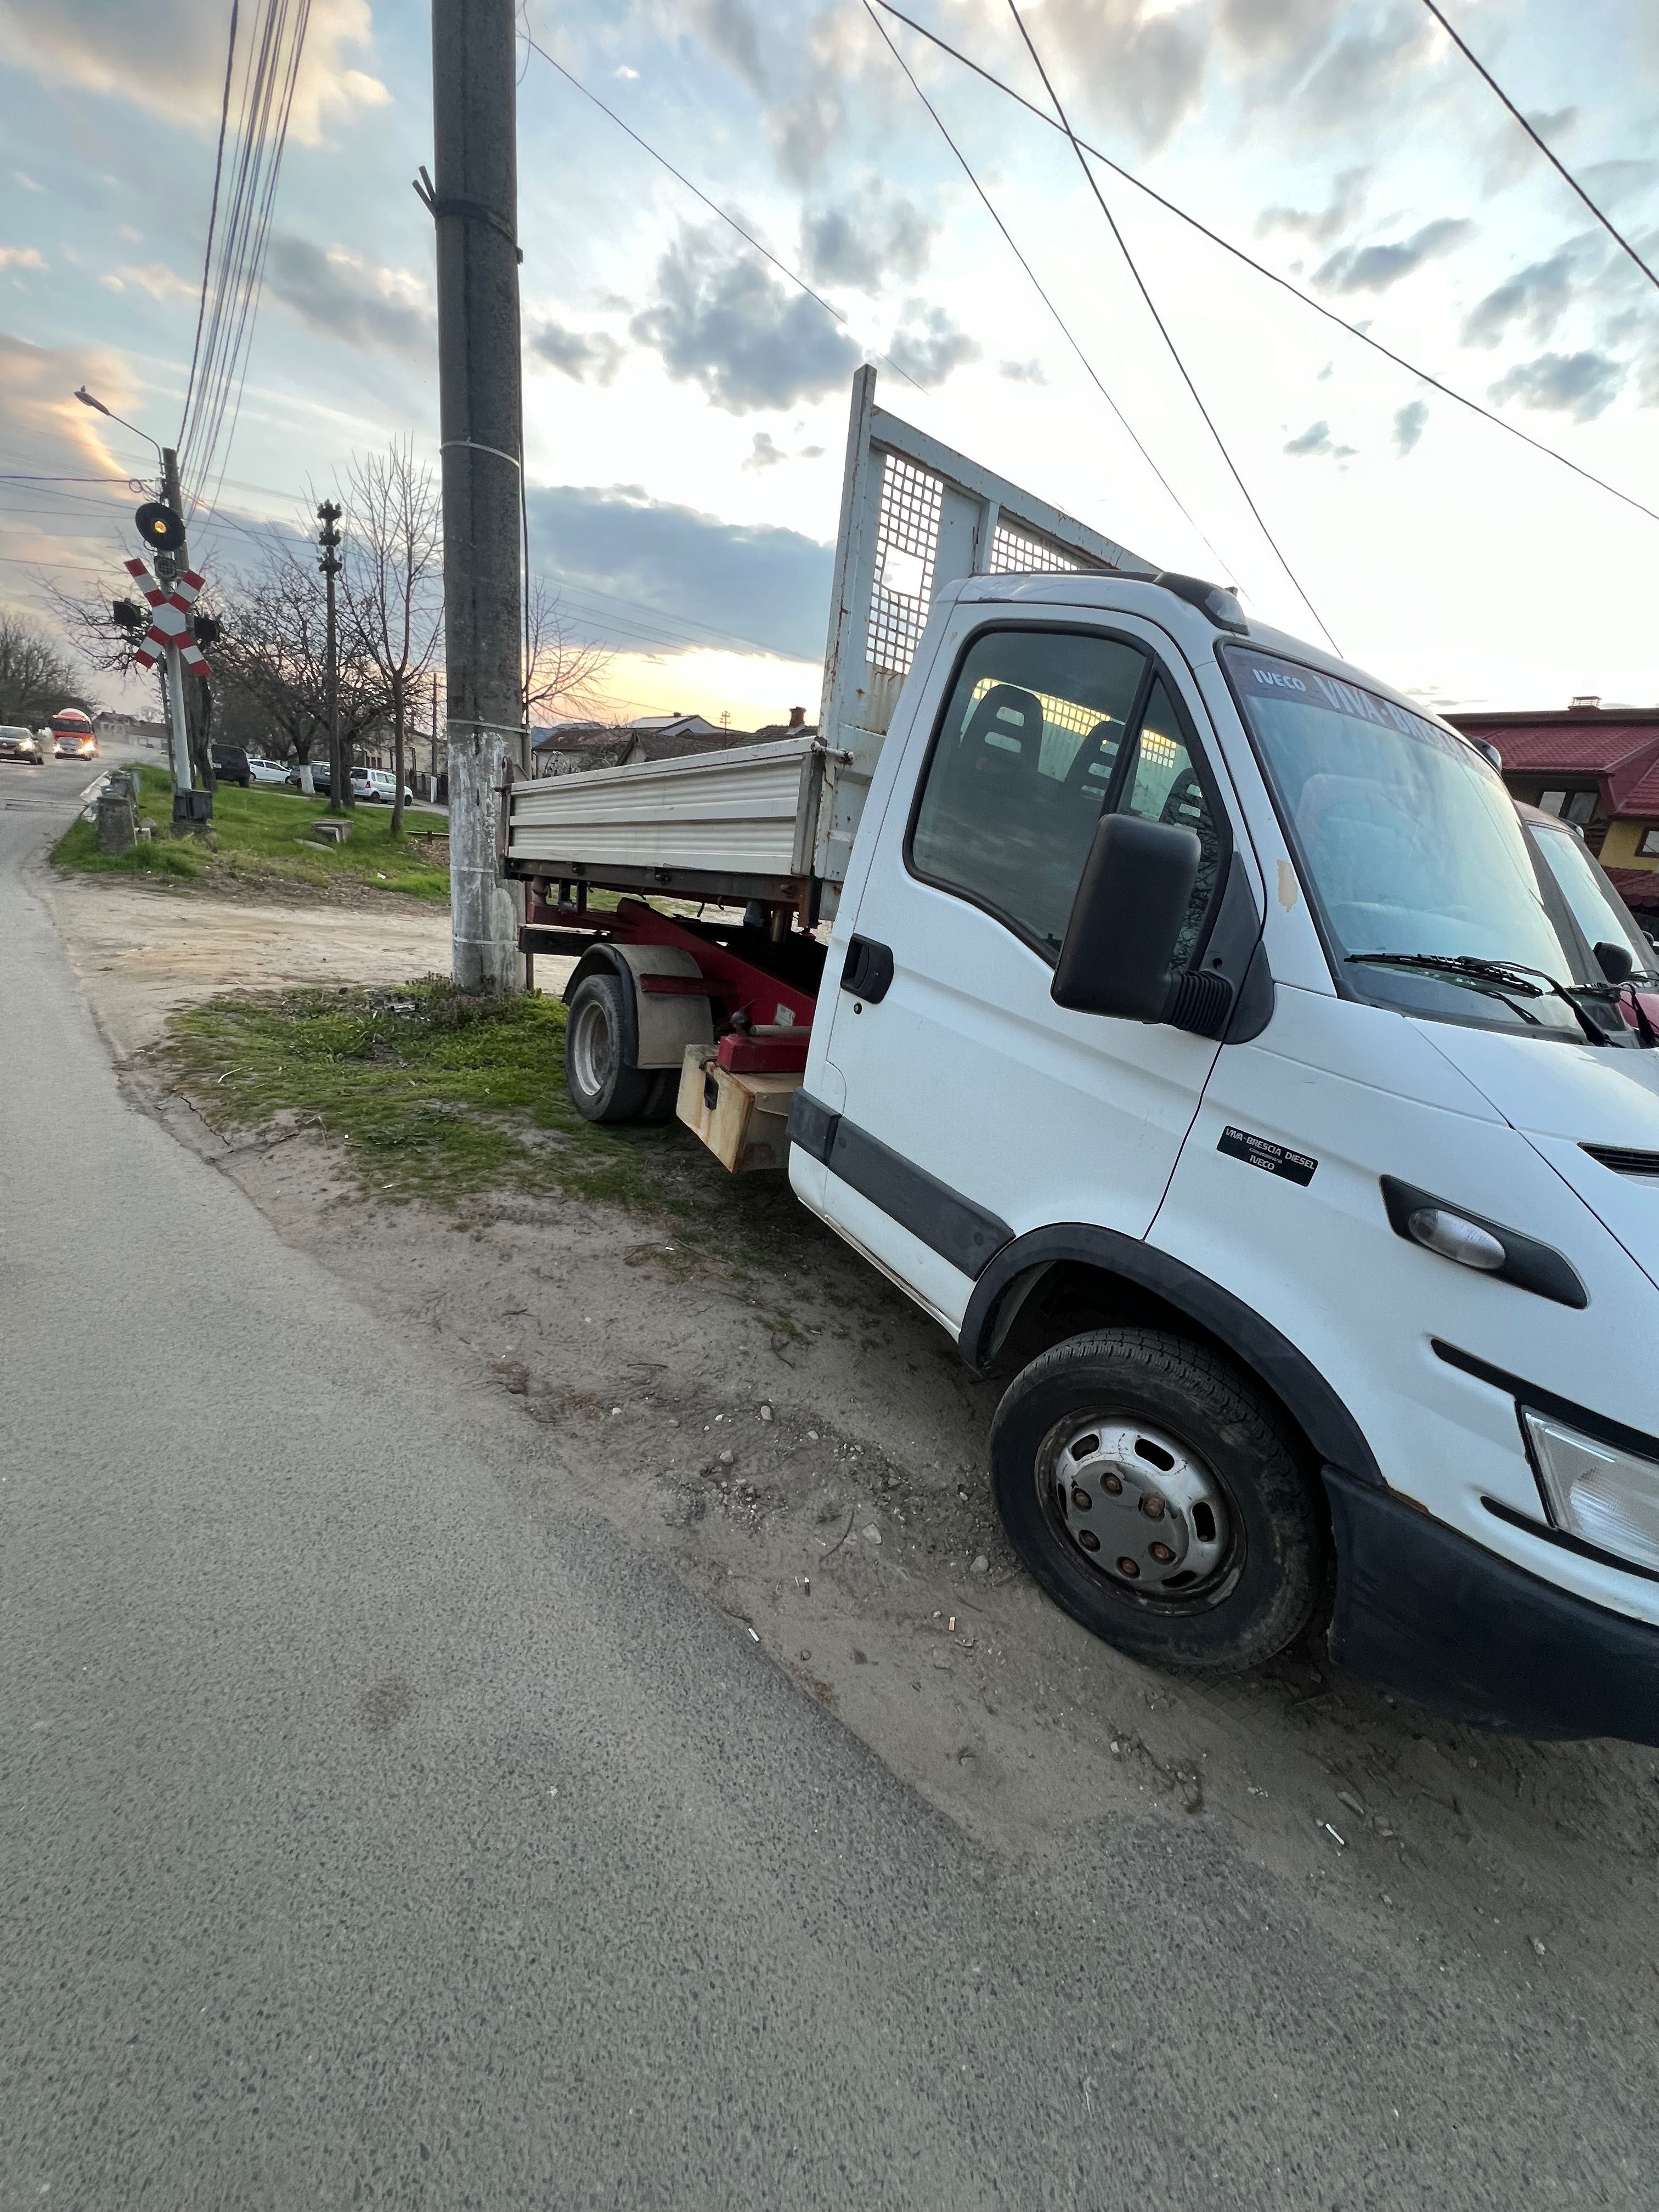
(169, 618)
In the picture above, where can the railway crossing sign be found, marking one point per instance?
(169, 621)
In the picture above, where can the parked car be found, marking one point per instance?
(16, 744)
(320, 776)
(378, 786)
(267, 771)
(230, 765)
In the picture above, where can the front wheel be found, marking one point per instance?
(1155, 1495)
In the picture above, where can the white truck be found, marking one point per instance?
(1203, 1042)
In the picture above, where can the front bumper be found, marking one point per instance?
(1422, 1610)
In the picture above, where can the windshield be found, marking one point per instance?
(1410, 844)
(1594, 904)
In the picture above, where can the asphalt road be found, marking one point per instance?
(365, 1840)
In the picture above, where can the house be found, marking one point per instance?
(1596, 767)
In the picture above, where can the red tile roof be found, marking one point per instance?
(1641, 797)
(1601, 747)
(1637, 887)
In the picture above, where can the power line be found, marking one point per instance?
(782, 267)
(1559, 167)
(213, 218)
(1093, 183)
(1193, 222)
(1065, 328)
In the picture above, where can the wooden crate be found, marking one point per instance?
(743, 1119)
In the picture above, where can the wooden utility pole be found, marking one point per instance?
(339, 791)
(474, 200)
(168, 566)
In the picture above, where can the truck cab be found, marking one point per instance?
(1204, 1050)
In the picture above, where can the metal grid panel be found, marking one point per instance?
(907, 538)
(1017, 553)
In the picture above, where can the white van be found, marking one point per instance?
(1203, 1044)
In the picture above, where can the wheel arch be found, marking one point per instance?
(1118, 1265)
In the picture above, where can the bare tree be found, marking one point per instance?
(561, 673)
(394, 584)
(36, 675)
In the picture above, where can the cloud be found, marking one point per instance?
(20, 257)
(1409, 423)
(1143, 63)
(731, 28)
(867, 238)
(1316, 443)
(1537, 295)
(154, 278)
(1023, 372)
(766, 586)
(724, 321)
(1375, 268)
(108, 47)
(766, 452)
(1321, 225)
(1609, 182)
(27, 182)
(1581, 385)
(586, 355)
(928, 345)
(344, 297)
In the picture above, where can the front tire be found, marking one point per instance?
(1156, 1496)
(604, 1084)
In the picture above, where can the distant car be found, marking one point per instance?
(21, 745)
(378, 786)
(74, 745)
(266, 771)
(231, 765)
(320, 776)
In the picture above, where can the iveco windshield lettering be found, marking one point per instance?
(1198, 1031)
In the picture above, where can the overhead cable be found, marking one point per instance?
(213, 217)
(1554, 160)
(1065, 328)
(1193, 222)
(679, 176)
(1093, 183)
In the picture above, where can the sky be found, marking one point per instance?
(686, 403)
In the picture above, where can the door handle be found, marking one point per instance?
(868, 970)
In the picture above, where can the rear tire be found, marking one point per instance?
(1156, 1496)
(604, 1084)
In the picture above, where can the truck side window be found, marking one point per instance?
(1163, 786)
(1020, 768)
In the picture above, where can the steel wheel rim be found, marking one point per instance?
(592, 1048)
(1140, 1509)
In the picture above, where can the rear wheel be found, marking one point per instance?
(1156, 1496)
(604, 1084)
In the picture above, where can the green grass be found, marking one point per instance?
(442, 1096)
(259, 835)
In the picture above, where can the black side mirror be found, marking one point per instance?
(1130, 902)
(1615, 960)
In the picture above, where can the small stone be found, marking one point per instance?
(982, 1565)
(892, 1482)
(811, 1435)
(872, 1534)
(1538, 1947)
(766, 1413)
(1117, 1749)
(1346, 1797)
(615, 1410)
(725, 1459)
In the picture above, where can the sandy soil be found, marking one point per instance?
(809, 1452)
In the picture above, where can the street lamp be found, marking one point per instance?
(86, 400)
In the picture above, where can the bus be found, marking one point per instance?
(72, 735)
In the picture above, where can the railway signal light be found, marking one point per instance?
(160, 526)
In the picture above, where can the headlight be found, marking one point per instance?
(1598, 1490)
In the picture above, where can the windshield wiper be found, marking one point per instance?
(1500, 977)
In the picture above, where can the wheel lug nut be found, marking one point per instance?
(1127, 1566)
(1162, 1554)
(1112, 1482)
(1080, 1498)
(1088, 1539)
(1152, 1506)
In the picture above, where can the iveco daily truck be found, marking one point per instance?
(1199, 1039)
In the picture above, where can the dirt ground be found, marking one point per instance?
(809, 1452)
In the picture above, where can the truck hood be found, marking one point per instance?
(1565, 1098)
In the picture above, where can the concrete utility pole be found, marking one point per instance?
(474, 201)
(329, 539)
